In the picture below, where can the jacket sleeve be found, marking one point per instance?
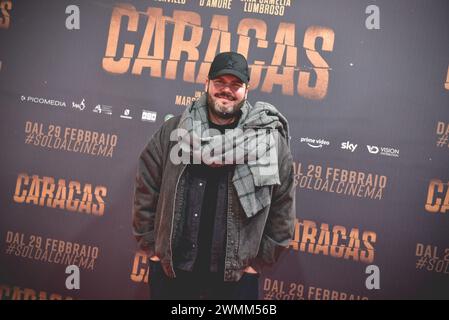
(279, 229)
(146, 193)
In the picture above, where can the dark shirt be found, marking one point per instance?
(203, 239)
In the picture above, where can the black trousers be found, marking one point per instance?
(200, 286)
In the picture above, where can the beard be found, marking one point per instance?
(221, 110)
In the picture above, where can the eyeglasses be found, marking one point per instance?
(234, 86)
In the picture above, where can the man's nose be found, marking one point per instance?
(226, 88)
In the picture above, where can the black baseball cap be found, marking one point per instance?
(230, 63)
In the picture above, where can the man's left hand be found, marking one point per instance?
(250, 270)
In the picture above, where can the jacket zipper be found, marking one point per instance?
(227, 219)
(172, 219)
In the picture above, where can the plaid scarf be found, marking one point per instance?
(253, 176)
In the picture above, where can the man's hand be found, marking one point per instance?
(250, 270)
(153, 258)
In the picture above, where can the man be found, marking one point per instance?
(210, 226)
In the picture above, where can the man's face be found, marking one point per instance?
(226, 95)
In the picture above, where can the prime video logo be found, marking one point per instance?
(315, 143)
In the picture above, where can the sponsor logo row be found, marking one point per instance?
(100, 109)
(350, 146)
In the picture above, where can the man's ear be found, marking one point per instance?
(206, 85)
